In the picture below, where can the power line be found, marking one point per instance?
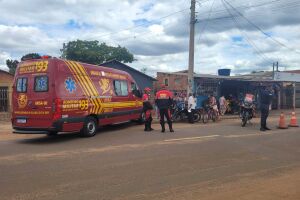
(258, 28)
(282, 7)
(255, 48)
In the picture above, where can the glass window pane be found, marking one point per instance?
(19, 85)
(133, 86)
(41, 84)
(24, 85)
(117, 86)
(124, 88)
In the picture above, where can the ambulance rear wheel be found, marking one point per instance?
(89, 127)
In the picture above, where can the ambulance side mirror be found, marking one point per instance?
(137, 93)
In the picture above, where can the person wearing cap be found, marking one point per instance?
(164, 101)
(266, 96)
(147, 109)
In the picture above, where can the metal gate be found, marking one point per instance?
(3, 99)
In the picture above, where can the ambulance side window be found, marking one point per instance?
(41, 84)
(133, 86)
(135, 91)
(121, 88)
(22, 85)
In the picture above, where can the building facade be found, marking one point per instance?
(6, 83)
(286, 93)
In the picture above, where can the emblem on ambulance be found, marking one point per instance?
(22, 100)
(104, 84)
(70, 85)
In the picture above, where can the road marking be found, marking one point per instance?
(246, 135)
(192, 138)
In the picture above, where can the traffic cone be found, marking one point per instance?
(282, 124)
(293, 122)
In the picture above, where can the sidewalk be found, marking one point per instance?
(287, 112)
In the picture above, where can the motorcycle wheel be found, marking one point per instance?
(196, 117)
(244, 121)
(214, 117)
(176, 118)
(245, 117)
(204, 118)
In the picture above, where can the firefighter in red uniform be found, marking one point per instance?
(164, 100)
(147, 109)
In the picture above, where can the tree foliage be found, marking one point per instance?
(31, 56)
(12, 65)
(94, 52)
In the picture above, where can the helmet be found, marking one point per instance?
(147, 89)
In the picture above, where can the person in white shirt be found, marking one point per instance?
(222, 102)
(191, 107)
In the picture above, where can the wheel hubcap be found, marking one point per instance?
(91, 127)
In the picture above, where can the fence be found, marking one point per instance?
(4, 99)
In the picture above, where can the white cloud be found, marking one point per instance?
(3, 57)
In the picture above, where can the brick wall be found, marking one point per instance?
(176, 82)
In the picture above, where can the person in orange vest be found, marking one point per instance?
(164, 100)
(147, 109)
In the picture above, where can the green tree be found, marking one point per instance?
(12, 65)
(94, 52)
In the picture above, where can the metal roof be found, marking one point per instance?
(254, 77)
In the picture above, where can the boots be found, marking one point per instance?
(147, 126)
(170, 127)
(162, 127)
(150, 122)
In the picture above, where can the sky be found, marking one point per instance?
(243, 36)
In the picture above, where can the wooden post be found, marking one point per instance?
(294, 96)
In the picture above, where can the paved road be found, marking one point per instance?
(214, 161)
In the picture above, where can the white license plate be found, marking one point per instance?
(21, 121)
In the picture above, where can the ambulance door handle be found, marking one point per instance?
(34, 107)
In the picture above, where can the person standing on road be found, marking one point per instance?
(164, 100)
(266, 95)
(191, 107)
(147, 109)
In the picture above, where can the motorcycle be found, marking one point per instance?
(180, 113)
(247, 112)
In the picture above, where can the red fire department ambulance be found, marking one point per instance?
(52, 95)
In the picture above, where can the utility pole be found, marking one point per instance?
(191, 49)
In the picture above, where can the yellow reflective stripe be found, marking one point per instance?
(126, 104)
(78, 78)
(93, 90)
(82, 82)
(92, 87)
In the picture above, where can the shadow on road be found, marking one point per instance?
(66, 137)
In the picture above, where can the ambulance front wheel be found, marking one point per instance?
(89, 127)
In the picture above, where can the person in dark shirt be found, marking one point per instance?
(266, 96)
(164, 101)
(147, 109)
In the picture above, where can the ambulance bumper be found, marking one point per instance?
(30, 132)
(56, 127)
